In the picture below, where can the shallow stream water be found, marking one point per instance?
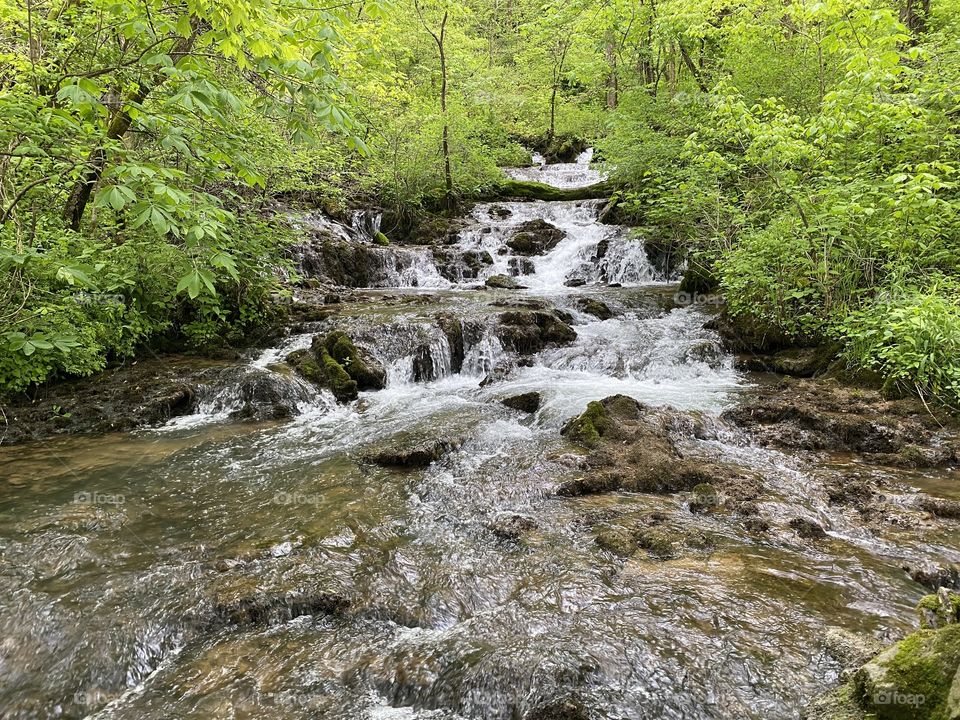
(123, 557)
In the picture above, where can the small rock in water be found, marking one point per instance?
(511, 526)
(503, 282)
(525, 402)
(808, 529)
(570, 709)
(417, 455)
(704, 498)
(933, 576)
(499, 211)
(617, 540)
(575, 282)
(597, 308)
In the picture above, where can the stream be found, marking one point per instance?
(215, 569)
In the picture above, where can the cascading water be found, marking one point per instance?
(267, 570)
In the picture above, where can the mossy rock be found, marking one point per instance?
(359, 365)
(590, 426)
(703, 498)
(380, 239)
(939, 609)
(617, 540)
(657, 542)
(344, 387)
(915, 679)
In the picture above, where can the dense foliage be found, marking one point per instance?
(806, 152)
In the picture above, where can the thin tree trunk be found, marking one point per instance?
(447, 173)
(119, 125)
(612, 85)
(693, 69)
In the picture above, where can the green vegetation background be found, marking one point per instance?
(802, 156)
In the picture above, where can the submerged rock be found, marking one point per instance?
(570, 709)
(511, 526)
(525, 402)
(418, 454)
(808, 529)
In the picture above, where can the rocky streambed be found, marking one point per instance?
(509, 474)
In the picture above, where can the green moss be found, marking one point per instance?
(617, 540)
(912, 679)
(656, 542)
(343, 386)
(589, 427)
(342, 349)
(938, 610)
(381, 239)
(539, 191)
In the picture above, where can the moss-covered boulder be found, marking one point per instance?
(939, 609)
(336, 363)
(359, 363)
(535, 237)
(589, 426)
(915, 679)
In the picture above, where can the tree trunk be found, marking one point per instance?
(610, 51)
(693, 69)
(447, 172)
(119, 125)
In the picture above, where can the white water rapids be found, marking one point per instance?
(128, 610)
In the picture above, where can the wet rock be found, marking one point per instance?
(597, 308)
(803, 362)
(603, 247)
(575, 282)
(264, 608)
(657, 542)
(535, 237)
(807, 529)
(850, 649)
(703, 498)
(529, 332)
(933, 575)
(359, 363)
(525, 402)
(756, 525)
(511, 526)
(940, 507)
(142, 393)
(498, 374)
(501, 212)
(521, 266)
(571, 709)
(337, 262)
(632, 450)
(416, 454)
(915, 679)
(939, 609)
(503, 282)
(453, 328)
(265, 395)
(746, 335)
(617, 540)
(825, 415)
